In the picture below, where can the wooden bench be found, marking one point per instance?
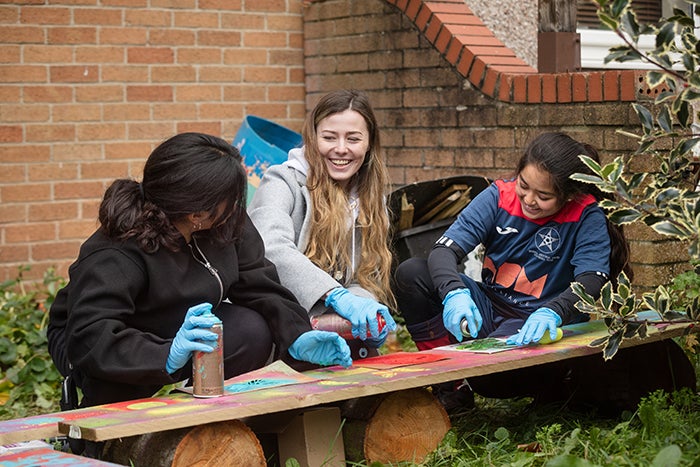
(46, 456)
(314, 403)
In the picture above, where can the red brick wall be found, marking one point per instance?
(88, 87)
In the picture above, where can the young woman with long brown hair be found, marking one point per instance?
(323, 217)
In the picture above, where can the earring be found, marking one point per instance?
(197, 226)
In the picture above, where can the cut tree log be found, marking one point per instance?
(402, 426)
(213, 444)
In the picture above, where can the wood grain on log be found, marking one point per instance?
(213, 444)
(401, 426)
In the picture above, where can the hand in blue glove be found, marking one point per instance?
(459, 306)
(377, 342)
(193, 329)
(321, 347)
(535, 326)
(361, 312)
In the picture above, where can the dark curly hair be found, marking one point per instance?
(188, 173)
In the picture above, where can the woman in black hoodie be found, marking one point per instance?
(169, 248)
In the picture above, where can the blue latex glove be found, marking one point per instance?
(535, 326)
(361, 312)
(459, 306)
(321, 347)
(377, 342)
(193, 329)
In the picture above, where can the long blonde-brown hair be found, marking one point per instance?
(330, 238)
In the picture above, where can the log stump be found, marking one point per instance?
(400, 426)
(213, 444)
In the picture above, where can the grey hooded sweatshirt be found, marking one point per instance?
(281, 211)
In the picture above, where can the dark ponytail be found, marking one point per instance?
(188, 173)
(619, 246)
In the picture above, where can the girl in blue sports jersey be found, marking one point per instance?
(541, 231)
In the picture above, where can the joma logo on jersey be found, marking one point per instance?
(513, 276)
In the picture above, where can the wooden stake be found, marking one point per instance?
(443, 201)
(406, 216)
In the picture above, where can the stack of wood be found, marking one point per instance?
(447, 204)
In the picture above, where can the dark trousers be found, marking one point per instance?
(421, 307)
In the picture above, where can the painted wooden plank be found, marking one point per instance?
(47, 456)
(330, 385)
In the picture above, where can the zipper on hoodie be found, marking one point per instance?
(205, 262)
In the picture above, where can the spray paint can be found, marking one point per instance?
(208, 367)
(335, 323)
(464, 326)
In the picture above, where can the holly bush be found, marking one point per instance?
(667, 198)
(29, 381)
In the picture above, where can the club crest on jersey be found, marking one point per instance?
(547, 240)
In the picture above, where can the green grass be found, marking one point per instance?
(664, 431)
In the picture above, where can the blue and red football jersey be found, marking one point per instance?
(528, 262)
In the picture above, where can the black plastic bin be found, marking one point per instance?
(418, 241)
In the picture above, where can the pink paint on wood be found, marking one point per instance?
(47, 456)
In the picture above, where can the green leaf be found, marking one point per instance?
(630, 330)
(501, 434)
(618, 7)
(687, 145)
(669, 456)
(668, 228)
(598, 342)
(592, 179)
(655, 78)
(665, 196)
(682, 112)
(625, 216)
(645, 118)
(636, 180)
(630, 25)
(689, 61)
(591, 164)
(612, 171)
(664, 119)
(613, 345)
(580, 291)
(606, 296)
(623, 290)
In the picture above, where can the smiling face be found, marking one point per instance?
(536, 192)
(343, 142)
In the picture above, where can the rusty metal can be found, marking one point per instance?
(464, 326)
(208, 368)
(335, 323)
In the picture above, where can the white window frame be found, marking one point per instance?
(596, 44)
